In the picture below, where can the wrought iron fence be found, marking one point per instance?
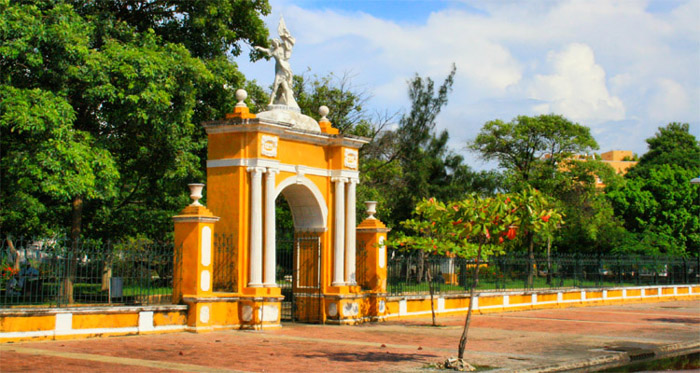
(225, 268)
(59, 273)
(362, 272)
(409, 274)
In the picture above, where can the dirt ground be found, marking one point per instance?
(510, 341)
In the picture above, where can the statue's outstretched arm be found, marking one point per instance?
(264, 50)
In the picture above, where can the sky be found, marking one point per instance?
(622, 68)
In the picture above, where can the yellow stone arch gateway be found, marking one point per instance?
(229, 280)
(253, 159)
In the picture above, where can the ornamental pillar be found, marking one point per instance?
(193, 264)
(256, 225)
(350, 245)
(270, 244)
(372, 234)
(339, 231)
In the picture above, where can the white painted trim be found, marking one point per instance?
(255, 269)
(295, 179)
(339, 233)
(283, 131)
(206, 246)
(195, 219)
(269, 252)
(284, 167)
(64, 322)
(38, 333)
(146, 321)
(403, 308)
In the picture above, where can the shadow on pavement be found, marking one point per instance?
(366, 356)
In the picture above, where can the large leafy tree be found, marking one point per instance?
(672, 144)
(591, 222)
(530, 148)
(121, 85)
(548, 152)
(658, 203)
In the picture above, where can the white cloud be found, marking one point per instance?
(616, 66)
(576, 88)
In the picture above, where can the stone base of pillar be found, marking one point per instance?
(229, 313)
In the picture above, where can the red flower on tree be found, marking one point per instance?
(511, 233)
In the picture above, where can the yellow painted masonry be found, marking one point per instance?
(27, 324)
(36, 324)
(21, 324)
(406, 307)
(93, 321)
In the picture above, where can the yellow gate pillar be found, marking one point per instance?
(371, 234)
(194, 232)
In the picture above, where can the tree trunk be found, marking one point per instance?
(72, 260)
(431, 288)
(107, 268)
(549, 261)
(14, 252)
(531, 261)
(468, 320)
(420, 268)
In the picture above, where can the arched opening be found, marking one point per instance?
(300, 221)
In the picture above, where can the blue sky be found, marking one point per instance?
(622, 68)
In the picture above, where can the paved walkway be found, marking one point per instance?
(510, 341)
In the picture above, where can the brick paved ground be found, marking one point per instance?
(507, 340)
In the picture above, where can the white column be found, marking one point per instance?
(270, 247)
(256, 238)
(339, 242)
(350, 246)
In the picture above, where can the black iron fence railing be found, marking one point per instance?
(409, 274)
(59, 273)
(225, 269)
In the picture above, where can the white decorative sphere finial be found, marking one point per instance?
(323, 111)
(196, 193)
(371, 209)
(241, 95)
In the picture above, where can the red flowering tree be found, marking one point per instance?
(476, 228)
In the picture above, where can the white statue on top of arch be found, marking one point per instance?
(281, 51)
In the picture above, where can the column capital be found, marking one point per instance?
(272, 170)
(339, 179)
(256, 170)
(353, 180)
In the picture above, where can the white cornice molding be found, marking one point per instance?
(283, 131)
(282, 167)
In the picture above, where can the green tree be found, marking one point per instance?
(547, 152)
(420, 161)
(592, 225)
(672, 145)
(137, 79)
(663, 209)
(475, 228)
(345, 102)
(531, 147)
(658, 204)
